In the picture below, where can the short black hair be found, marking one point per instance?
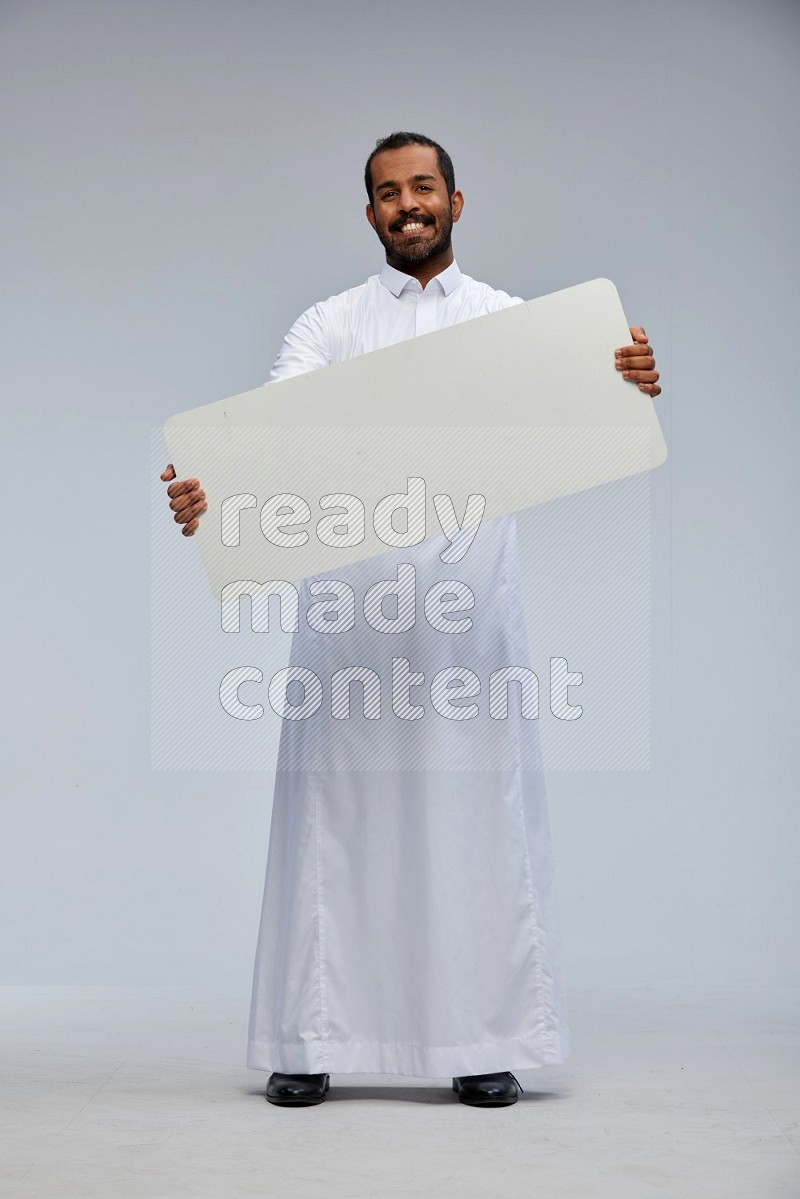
(396, 141)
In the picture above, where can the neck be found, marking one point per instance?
(427, 270)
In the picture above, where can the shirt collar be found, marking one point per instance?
(397, 281)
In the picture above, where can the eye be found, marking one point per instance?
(425, 187)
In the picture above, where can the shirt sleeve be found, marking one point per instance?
(504, 300)
(306, 347)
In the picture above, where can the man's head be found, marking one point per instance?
(413, 200)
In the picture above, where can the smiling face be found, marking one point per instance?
(411, 211)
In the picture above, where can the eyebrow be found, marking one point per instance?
(391, 182)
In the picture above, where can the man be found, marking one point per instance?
(409, 923)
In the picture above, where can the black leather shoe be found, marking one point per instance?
(487, 1090)
(297, 1090)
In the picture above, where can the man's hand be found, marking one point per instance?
(187, 500)
(637, 362)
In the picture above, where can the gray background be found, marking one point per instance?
(182, 179)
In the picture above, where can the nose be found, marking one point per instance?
(408, 201)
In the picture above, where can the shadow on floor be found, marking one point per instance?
(432, 1094)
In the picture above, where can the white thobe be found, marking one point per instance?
(409, 923)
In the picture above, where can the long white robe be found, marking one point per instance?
(409, 923)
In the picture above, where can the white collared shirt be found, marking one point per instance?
(386, 944)
(388, 308)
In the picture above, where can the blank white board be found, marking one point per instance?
(519, 407)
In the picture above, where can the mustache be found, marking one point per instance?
(398, 225)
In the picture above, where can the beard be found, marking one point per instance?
(401, 249)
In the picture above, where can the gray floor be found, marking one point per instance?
(678, 1094)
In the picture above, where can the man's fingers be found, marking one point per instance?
(184, 503)
(182, 498)
(192, 525)
(189, 516)
(637, 363)
(187, 499)
(641, 376)
(182, 487)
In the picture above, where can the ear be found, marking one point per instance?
(371, 215)
(457, 202)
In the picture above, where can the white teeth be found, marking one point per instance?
(413, 227)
